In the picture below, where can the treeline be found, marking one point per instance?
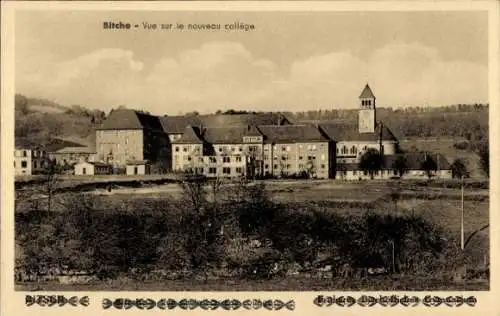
(242, 236)
(469, 121)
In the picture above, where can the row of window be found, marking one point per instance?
(213, 170)
(382, 172)
(25, 153)
(225, 159)
(366, 102)
(353, 150)
(288, 166)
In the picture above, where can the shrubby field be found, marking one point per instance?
(239, 237)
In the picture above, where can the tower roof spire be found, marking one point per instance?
(366, 93)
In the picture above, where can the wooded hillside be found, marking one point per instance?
(41, 121)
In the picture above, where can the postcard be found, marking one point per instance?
(250, 157)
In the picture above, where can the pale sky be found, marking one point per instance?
(291, 61)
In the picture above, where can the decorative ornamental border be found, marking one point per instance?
(394, 300)
(56, 300)
(190, 304)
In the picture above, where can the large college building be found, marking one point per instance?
(258, 144)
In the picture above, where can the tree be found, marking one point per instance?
(371, 161)
(459, 169)
(429, 166)
(400, 165)
(50, 181)
(21, 104)
(484, 157)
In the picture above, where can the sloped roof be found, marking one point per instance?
(252, 130)
(265, 118)
(225, 135)
(130, 119)
(75, 150)
(177, 124)
(291, 133)
(190, 135)
(343, 131)
(366, 93)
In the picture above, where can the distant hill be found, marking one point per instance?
(52, 125)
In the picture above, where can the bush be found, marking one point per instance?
(157, 234)
(461, 145)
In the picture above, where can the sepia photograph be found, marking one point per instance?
(251, 150)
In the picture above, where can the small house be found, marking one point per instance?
(84, 169)
(92, 168)
(139, 167)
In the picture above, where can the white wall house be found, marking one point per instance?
(28, 161)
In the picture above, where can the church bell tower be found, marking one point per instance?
(366, 114)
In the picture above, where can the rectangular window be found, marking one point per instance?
(200, 170)
(84, 170)
(238, 158)
(25, 154)
(212, 170)
(213, 159)
(220, 149)
(395, 172)
(240, 149)
(300, 157)
(288, 166)
(283, 148)
(34, 164)
(184, 149)
(322, 166)
(239, 170)
(226, 159)
(266, 166)
(301, 166)
(275, 166)
(226, 170)
(24, 164)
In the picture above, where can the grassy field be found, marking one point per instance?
(395, 283)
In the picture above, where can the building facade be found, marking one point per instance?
(29, 161)
(251, 144)
(129, 135)
(73, 155)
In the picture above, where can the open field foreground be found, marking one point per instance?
(276, 236)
